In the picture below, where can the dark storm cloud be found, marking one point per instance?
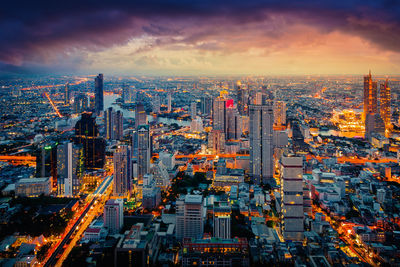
(39, 31)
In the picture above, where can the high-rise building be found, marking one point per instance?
(169, 109)
(140, 115)
(189, 217)
(143, 150)
(193, 110)
(216, 141)
(370, 95)
(128, 93)
(46, 162)
(222, 220)
(114, 124)
(241, 98)
(385, 99)
(69, 169)
(279, 113)
(98, 91)
(219, 114)
(261, 142)
(151, 195)
(156, 103)
(80, 103)
(114, 215)
(87, 134)
(67, 94)
(206, 105)
(292, 197)
(122, 171)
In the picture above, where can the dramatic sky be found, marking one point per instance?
(208, 37)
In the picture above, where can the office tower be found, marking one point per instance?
(206, 105)
(114, 124)
(219, 114)
(140, 115)
(98, 91)
(143, 150)
(87, 134)
(222, 220)
(128, 93)
(80, 103)
(261, 142)
(114, 215)
(234, 123)
(279, 113)
(92, 102)
(370, 95)
(189, 217)
(156, 102)
(193, 110)
(385, 100)
(216, 141)
(241, 99)
(122, 171)
(196, 125)
(46, 162)
(69, 169)
(292, 197)
(169, 102)
(67, 94)
(151, 195)
(373, 124)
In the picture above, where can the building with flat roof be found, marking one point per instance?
(33, 187)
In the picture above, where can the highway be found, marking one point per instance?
(94, 206)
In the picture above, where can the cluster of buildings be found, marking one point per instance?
(231, 174)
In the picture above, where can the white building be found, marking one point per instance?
(114, 215)
(189, 217)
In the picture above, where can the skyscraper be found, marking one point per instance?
(206, 105)
(69, 169)
(128, 93)
(143, 150)
(67, 94)
(193, 110)
(114, 124)
(140, 115)
(98, 90)
(46, 162)
(169, 102)
(80, 103)
(87, 134)
(219, 114)
(122, 171)
(292, 197)
(261, 142)
(385, 99)
(189, 217)
(372, 116)
(156, 104)
(279, 113)
(241, 99)
(114, 215)
(370, 95)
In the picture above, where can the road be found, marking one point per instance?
(94, 206)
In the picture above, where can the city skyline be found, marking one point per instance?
(200, 38)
